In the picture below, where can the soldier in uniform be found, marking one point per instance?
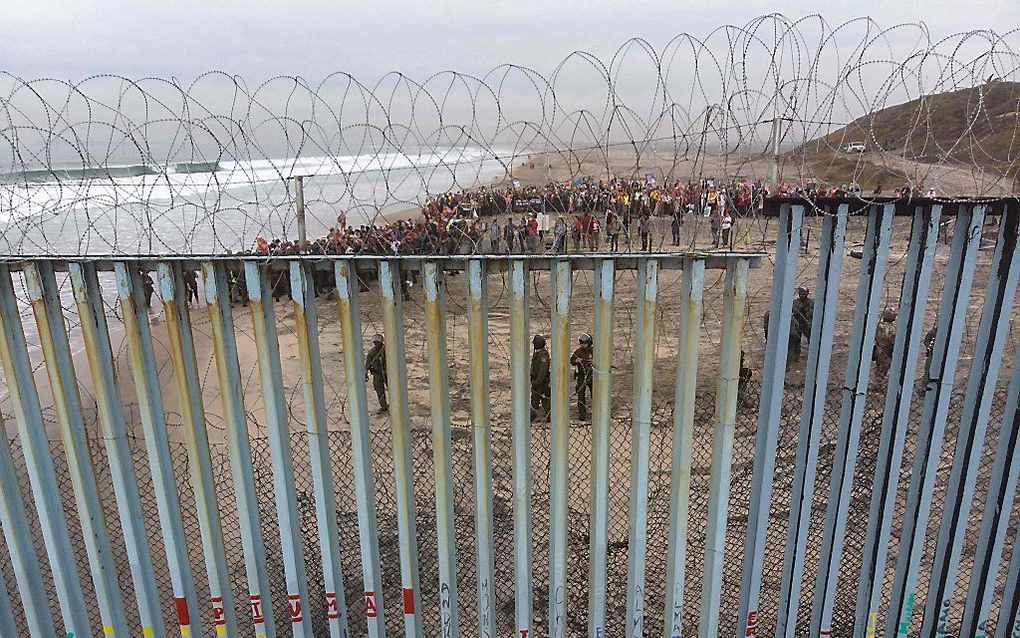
(375, 364)
(800, 325)
(540, 403)
(584, 374)
(929, 349)
(885, 336)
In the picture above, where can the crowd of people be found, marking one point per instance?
(581, 215)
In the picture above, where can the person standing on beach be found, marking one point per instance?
(584, 373)
(375, 365)
(540, 394)
(494, 235)
(675, 223)
(191, 286)
(148, 287)
(613, 231)
(508, 235)
(725, 225)
(560, 233)
(643, 230)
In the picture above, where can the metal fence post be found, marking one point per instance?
(306, 321)
(157, 445)
(605, 272)
(734, 310)
(217, 291)
(1008, 624)
(96, 336)
(41, 284)
(521, 416)
(995, 520)
(647, 292)
(478, 349)
(896, 414)
(855, 393)
(816, 377)
(442, 447)
(361, 445)
(14, 523)
(267, 346)
(940, 375)
(691, 293)
(791, 221)
(992, 333)
(559, 451)
(24, 398)
(189, 392)
(403, 475)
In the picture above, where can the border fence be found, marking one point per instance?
(145, 488)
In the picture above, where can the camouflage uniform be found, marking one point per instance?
(584, 377)
(885, 337)
(800, 323)
(375, 364)
(540, 403)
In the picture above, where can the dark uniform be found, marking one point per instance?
(584, 373)
(885, 337)
(929, 348)
(540, 403)
(375, 364)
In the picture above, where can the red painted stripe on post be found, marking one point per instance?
(408, 600)
(183, 616)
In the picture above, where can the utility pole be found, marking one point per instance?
(299, 188)
(774, 169)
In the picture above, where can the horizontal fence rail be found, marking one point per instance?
(526, 446)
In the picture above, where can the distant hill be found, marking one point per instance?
(976, 127)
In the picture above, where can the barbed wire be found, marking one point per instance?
(113, 165)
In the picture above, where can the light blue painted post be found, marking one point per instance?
(559, 451)
(478, 351)
(403, 474)
(157, 445)
(896, 415)
(1008, 624)
(14, 524)
(7, 624)
(816, 378)
(267, 346)
(24, 399)
(96, 336)
(228, 375)
(605, 272)
(691, 294)
(993, 331)
(361, 443)
(995, 520)
(734, 310)
(938, 391)
(791, 221)
(520, 394)
(307, 328)
(189, 391)
(442, 447)
(647, 293)
(41, 284)
(855, 393)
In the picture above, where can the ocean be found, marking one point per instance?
(203, 207)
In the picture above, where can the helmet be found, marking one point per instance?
(538, 341)
(377, 339)
(584, 338)
(888, 315)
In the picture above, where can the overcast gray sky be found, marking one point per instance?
(256, 39)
